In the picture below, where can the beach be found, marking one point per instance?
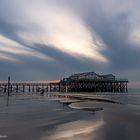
(37, 117)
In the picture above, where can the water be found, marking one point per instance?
(132, 97)
(35, 117)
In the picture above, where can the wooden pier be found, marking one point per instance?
(92, 82)
(28, 87)
(82, 82)
(94, 85)
(119, 86)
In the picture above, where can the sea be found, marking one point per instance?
(31, 116)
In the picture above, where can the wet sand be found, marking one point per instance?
(35, 117)
(119, 121)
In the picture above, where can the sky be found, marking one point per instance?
(52, 39)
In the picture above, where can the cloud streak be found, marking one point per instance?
(10, 48)
(100, 36)
(63, 30)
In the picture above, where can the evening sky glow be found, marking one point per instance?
(50, 39)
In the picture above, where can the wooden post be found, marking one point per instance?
(8, 85)
(49, 88)
(32, 88)
(66, 88)
(16, 88)
(36, 88)
(126, 87)
(23, 88)
(29, 88)
(11, 88)
(43, 87)
(5, 87)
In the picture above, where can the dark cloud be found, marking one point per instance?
(33, 68)
(113, 28)
(119, 51)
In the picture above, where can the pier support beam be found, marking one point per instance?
(23, 88)
(16, 88)
(33, 88)
(29, 89)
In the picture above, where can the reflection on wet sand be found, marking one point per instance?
(121, 121)
(77, 130)
(31, 116)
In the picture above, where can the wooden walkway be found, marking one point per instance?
(28, 87)
(88, 85)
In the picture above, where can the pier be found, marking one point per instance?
(30, 87)
(82, 82)
(92, 82)
(119, 85)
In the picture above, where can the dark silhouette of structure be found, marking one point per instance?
(92, 82)
(81, 82)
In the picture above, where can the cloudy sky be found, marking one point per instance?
(50, 39)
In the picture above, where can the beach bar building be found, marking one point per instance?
(92, 82)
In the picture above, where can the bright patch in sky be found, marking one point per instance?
(58, 27)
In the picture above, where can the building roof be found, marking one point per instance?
(85, 73)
